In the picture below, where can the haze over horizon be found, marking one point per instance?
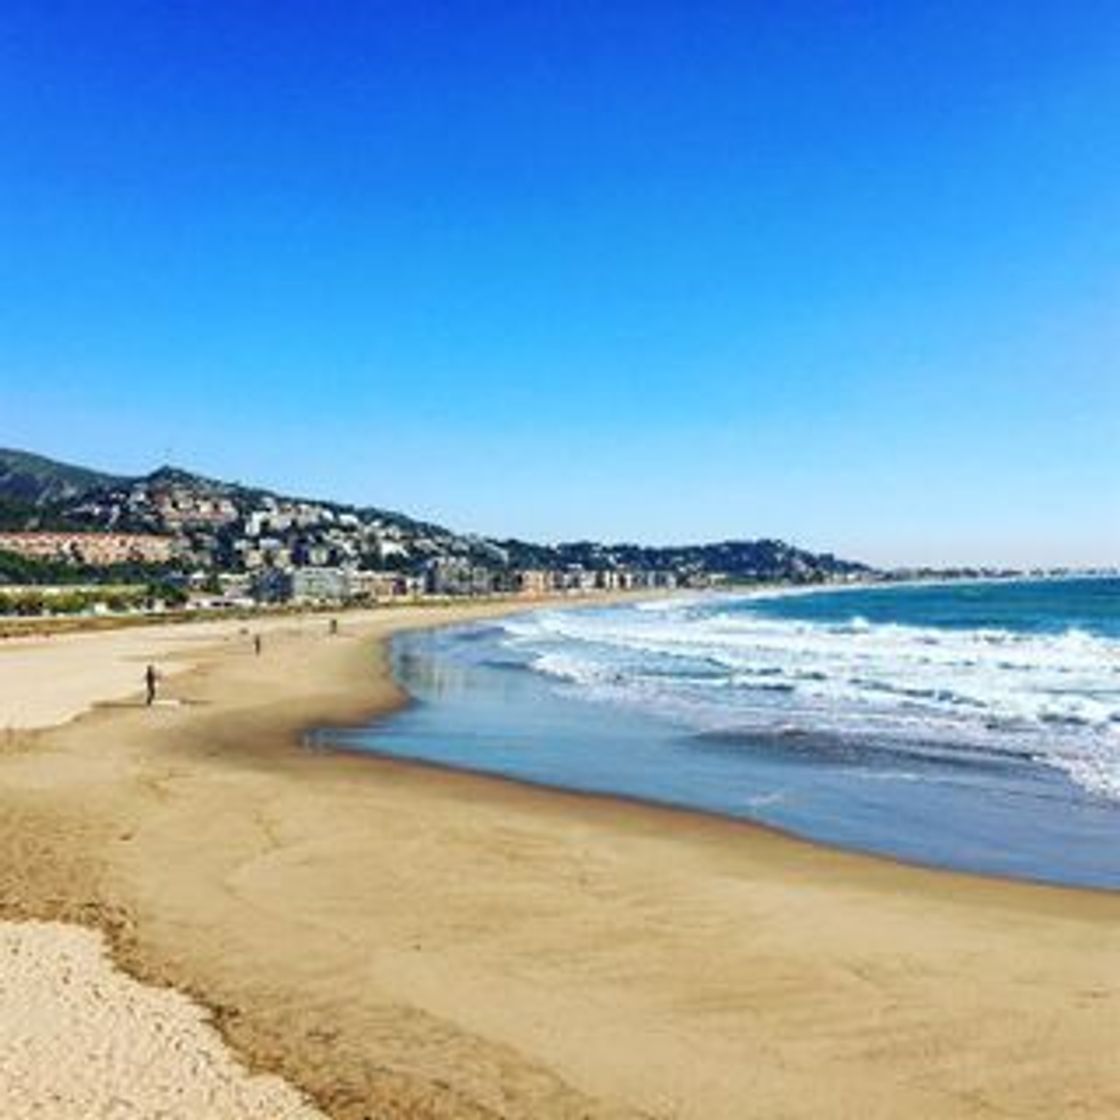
(660, 273)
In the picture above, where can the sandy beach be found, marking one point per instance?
(399, 941)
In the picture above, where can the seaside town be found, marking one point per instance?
(73, 539)
(76, 541)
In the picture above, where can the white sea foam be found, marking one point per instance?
(1054, 697)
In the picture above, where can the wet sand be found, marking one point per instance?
(399, 941)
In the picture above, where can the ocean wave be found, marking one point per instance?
(709, 664)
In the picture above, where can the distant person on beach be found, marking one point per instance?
(150, 678)
(334, 626)
(257, 644)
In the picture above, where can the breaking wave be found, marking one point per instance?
(724, 666)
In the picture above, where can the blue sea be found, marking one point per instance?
(966, 725)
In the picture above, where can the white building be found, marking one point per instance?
(320, 585)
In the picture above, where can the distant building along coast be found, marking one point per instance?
(220, 543)
(93, 549)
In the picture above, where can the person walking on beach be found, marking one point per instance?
(150, 678)
(334, 626)
(257, 644)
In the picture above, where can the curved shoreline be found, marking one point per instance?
(347, 917)
(680, 809)
(373, 751)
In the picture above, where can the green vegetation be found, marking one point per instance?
(30, 601)
(17, 516)
(36, 480)
(27, 570)
(26, 601)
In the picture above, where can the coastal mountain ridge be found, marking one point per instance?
(228, 526)
(35, 480)
(37, 489)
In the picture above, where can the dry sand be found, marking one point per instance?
(80, 1038)
(47, 679)
(405, 942)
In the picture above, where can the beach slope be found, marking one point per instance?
(402, 941)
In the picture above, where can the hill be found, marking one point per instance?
(34, 480)
(227, 527)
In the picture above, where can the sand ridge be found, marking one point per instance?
(80, 1038)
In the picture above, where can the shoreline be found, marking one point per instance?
(918, 863)
(689, 812)
(673, 810)
(308, 741)
(474, 863)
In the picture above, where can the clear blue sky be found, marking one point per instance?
(842, 273)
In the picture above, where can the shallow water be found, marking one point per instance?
(974, 726)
